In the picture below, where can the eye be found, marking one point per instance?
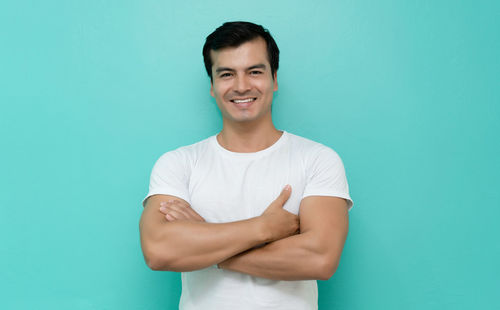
(226, 74)
(255, 72)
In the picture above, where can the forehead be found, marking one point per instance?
(243, 56)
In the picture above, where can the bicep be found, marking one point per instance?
(325, 219)
(152, 219)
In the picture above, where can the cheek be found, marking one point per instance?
(220, 91)
(268, 89)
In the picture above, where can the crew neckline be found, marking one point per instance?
(275, 145)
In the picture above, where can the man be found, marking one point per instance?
(253, 216)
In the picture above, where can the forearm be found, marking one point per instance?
(183, 243)
(298, 257)
(189, 245)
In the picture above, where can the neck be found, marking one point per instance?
(248, 138)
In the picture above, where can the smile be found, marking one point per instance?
(238, 101)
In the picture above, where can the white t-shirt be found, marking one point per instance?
(224, 186)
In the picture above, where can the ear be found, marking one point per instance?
(275, 81)
(212, 89)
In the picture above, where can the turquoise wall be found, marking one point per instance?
(407, 92)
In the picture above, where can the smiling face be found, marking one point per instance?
(243, 84)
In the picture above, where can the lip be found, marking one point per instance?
(244, 98)
(243, 105)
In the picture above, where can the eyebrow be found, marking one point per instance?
(258, 66)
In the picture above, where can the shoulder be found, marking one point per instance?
(186, 154)
(311, 150)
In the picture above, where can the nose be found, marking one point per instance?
(241, 84)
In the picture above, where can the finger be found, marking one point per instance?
(166, 203)
(169, 206)
(181, 207)
(284, 195)
(195, 215)
(188, 213)
(186, 208)
(175, 202)
(170, 218)
(178, 210)
(175, 215)
(164, 209)
(182, 203)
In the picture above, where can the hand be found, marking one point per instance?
(279, 222)
(176, 210)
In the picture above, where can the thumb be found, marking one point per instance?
(284, 195)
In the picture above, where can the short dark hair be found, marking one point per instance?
(233, 34)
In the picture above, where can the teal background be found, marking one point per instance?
(407, 92)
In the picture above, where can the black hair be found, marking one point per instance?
(233, 34)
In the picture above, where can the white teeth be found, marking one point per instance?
(243, 101)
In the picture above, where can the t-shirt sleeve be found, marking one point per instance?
(326, 176)
(170, 176)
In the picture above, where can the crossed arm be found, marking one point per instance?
(314, 253)
(182, 241)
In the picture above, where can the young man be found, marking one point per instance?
(252, 216)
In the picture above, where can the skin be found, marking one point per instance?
(182, 241)
(244, 72)
(174, 237)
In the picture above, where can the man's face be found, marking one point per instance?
(242, 83)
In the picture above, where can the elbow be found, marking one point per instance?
(155, 263)
(326, 274)
(156, 260)
(158, 256)
(155, 266)
(161, 260)
(326, 268)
